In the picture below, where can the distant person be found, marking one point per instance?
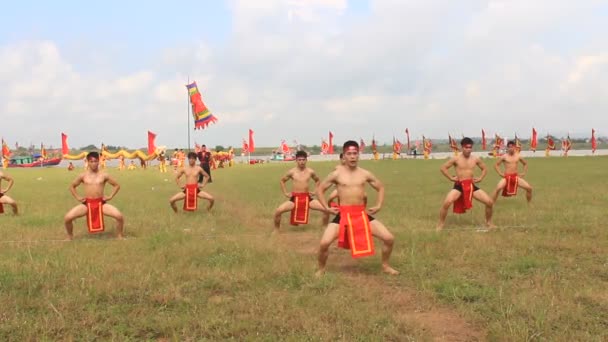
(511, 178)
(465, 188)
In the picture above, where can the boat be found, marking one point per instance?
(31, 161)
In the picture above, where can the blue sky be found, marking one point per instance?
(295, 69)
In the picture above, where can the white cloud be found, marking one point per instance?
(300, 68)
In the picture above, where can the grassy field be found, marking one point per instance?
(542, 276)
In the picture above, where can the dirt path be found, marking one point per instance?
(438, 321)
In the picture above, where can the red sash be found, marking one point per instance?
(299, 213)
(465, 201)
(191, 200)
(355, 231)
(511, 188)
(95, 215)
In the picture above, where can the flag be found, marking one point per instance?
(407, 133)
(533, 140)
(593, 141)
(6, 151)
(64, 144)
(251, 142)
(397, 146)
(284, 147)
(42, 151)
(151, 145)
(361, 145)
(427, 145)
(498, 142)
(331, 143)
(550, 143)
(245, 146)
(567, 144)
(483, 140)
(324, 147)
(453, 144)
(202, 115)
(517, 143)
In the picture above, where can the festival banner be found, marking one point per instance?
(202, 115)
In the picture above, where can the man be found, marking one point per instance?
(204, 157)
(5, 199)
(353, 226)
(464, 189)
(511, 178)
(162, 162)
(300, 199)
(94, 203)
(191, 191)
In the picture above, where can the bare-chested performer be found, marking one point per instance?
(4, 198)
(353, 226)
(511, 178)
(94, 205)
(192, 192)
(300, 198)
(464, 189)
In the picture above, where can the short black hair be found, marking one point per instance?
(466, 141)
(93, 155)
(191, 155)
(350, 143)
(511, 142)
(301, 154)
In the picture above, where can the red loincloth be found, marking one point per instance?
(191, 200)
(355, 231)
(510, 188)
(1, 208)
(299, 213)
(465, 201)
(95, 215)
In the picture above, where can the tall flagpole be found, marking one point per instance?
(188, 111)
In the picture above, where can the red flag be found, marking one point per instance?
(397, 146)
(453, 144)
(64, 144)
(6, 152)
(407, 133)
(284, 147)
(331, 143)
(324, 147)
(593, 141)
(251, 141)
(361, 145)
(151, 145)
(245, 146)
(534, 140)
(483, 140)
(550, 143)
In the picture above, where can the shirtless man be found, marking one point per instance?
(4, 199)
(191, 173)
(510, 176)
(465, 164)
(350, 181)
(93, 181)
(300, 180)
